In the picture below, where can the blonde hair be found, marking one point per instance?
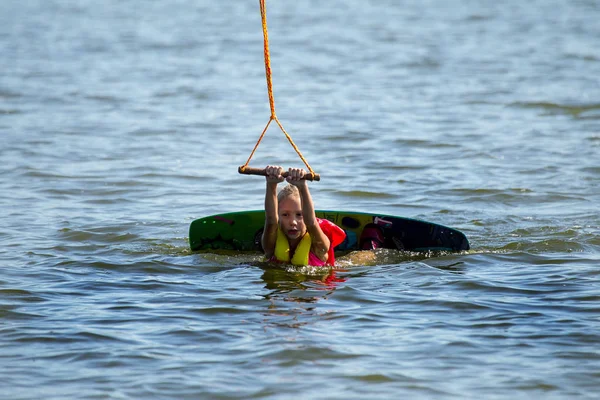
(287, 191)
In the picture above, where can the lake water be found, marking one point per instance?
(123, 121)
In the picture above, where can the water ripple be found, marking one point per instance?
(117, 132)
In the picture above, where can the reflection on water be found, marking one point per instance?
(282, 280)
(293, 294)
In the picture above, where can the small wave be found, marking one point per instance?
(308, 270)
(426, 144)
(7, 315)
(585, 57)
(365, 194)
(478, 17)
(485, 191)
(21, 295)
(102, 235)
(10, 111)
(104, 98)
(575, 110)
(231, 257)
(390, 257)
(9, 94)
(545, 246)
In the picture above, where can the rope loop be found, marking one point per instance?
(263, 14)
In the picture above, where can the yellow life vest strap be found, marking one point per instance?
(282, 249)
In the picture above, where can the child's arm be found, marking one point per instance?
(269, 236)
(320, 241)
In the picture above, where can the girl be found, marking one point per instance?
(293, 234)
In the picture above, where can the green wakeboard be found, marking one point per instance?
(242, 231)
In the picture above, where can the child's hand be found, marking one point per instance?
(274, 174)
(296, 177)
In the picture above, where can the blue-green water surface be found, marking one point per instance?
(123, 121)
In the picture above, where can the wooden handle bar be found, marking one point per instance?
(262, 172)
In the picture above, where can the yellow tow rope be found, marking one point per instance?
(263, 14)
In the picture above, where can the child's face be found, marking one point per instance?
(290, 217)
